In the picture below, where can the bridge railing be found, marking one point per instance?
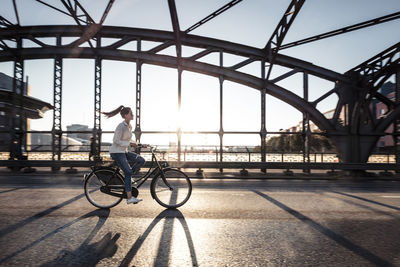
(207, 157)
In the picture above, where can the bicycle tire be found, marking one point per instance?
(177, 195)
(98, 178)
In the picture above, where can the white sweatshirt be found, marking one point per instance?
(122, 138)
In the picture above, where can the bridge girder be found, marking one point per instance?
(363, 128)
(125, 35)
(348, 84)
(228, 73)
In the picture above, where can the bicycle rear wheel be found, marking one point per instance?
(95, 184)
(172, 192)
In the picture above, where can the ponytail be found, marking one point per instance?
(121, 109)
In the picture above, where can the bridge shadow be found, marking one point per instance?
(360, 251)
(367, 200)
(361, 205)
(85, 254)
(165, 244)
(37, 216)
(12, 189)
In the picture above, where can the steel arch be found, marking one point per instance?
(355, 88)
(110, 52)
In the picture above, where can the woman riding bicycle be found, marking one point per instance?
(119, 149)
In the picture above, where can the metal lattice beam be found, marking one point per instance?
(97, 109)
(347, 29)
(57, 103)
(208, 44)
(175, 27)
(59, 10)
(77, 11)
(213, 15)
(138, 127)
(396, 126)
(17, 121)
(274, 43)
(263, 130)
(4, 23)
(16, 12)
(375, 67)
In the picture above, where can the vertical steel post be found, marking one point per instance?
(306, 134)
(97, 108)
(221, 110)
(138, 130)
(57, 103)
(17, 131)
(179, 130)
(263, 131)
(396, 126)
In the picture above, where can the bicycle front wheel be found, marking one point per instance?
(104, 180)
(172, 191)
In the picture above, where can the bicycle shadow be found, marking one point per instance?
(84, 253)
(163, 253)
(37, 216)
(87, 255)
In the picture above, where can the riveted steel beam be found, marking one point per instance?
(263, 130)
(4, 23)
(376, 70)
(306, 131)
(274, 43)
(347, 29)
(96, 142)
(106, 11)
(16, 12)
(219, 11)
(175, 27)
(396, 126)
(138, 127)
(57, 103)
(59, 10)
(75, 9)
(209, 44)
(199, 67)
(17, 131)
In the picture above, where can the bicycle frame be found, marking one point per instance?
(152, 172)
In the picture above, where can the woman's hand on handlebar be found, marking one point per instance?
(136, 145)
(140, 145)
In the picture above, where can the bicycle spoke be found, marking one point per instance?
(173, 190)
(98, 180)
(161, 190)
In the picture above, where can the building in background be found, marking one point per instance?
(25, 108)
(377, 107)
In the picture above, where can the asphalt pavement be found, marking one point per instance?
(45, 220)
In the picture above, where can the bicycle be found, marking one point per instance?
(104, 185)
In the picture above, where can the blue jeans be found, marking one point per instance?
(122, 160)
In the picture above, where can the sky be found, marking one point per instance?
(251, 22)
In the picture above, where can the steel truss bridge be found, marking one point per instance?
(356, 89)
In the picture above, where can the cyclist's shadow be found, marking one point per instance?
(89, 254)
(163, 252)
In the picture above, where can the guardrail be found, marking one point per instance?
(213, 165)
(208, 158)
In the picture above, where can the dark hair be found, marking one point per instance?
(121, 110)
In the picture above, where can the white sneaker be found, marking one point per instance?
(133, 200)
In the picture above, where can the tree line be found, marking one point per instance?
(295, 143)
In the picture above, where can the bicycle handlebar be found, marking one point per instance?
(152, 148)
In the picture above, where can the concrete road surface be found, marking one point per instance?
(49, 222)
